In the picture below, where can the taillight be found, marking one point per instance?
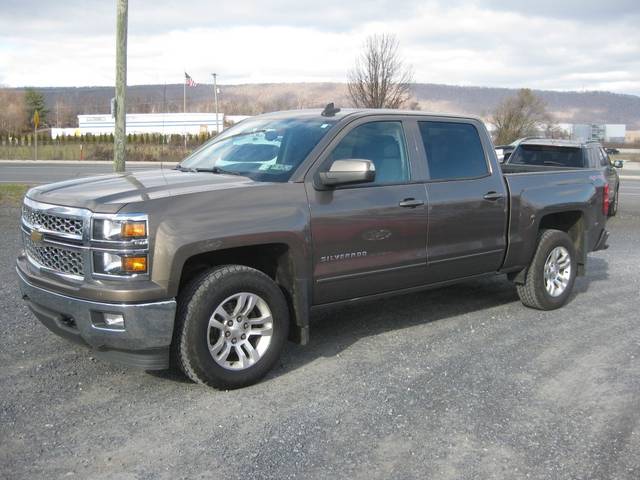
(605, 199)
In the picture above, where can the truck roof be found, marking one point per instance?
(361, 112)
(552, 142)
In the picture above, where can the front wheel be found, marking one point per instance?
(552, 272)
(231, 327)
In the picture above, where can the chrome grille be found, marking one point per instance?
(54, 258)
(52, 223)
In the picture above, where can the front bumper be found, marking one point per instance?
(144, 342)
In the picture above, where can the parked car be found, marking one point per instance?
(545, 154)
(612, 151)
(213, 267)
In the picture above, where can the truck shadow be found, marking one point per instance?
(336, 329)
(597, 270)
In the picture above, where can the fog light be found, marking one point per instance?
(108, 321)
(114, 320)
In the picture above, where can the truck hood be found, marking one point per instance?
(108, 193)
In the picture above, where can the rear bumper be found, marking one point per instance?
(602, 244)
(144, 342)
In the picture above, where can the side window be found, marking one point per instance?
(605, 161)
(453, 150)
(382, 143)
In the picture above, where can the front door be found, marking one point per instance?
(369, 238)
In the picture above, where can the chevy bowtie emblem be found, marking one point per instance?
(36, 236)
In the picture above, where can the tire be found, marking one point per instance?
(206, 305)
(613, 208)
(534, 292)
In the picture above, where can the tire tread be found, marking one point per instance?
(529, 293)
(190, 296)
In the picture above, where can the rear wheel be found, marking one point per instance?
(552, 272)
(232, 324)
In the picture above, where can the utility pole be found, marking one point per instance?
(120, 137)
(36, 122)
(215, 97)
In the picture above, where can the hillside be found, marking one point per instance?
(571, 107)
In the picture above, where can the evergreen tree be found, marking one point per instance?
(35, 101)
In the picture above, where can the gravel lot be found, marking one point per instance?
(456, 383)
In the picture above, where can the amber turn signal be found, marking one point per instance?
(134, 229)
(134, 264)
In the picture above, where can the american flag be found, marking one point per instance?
(189, 81)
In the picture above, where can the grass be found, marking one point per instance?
(11, 194)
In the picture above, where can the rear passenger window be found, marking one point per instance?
(453, 150)
(547, 156)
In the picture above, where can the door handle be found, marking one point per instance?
(410, 203)
(492, 196)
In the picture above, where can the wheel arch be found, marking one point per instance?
(573, 223)
(276, 260)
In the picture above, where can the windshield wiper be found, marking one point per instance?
(183, 169)
(217, 170)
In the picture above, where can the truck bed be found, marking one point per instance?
(536, 192)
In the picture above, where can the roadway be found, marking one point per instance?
(33, 173)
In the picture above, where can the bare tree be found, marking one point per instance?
(522, 115)
(13, 114)
(380, 79)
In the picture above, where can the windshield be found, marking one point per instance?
(266, 150)
(547, 155)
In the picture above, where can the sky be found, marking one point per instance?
(544, 44)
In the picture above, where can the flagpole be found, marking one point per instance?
(184, 104)
(215, 99)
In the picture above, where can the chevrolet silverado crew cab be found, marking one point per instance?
(215, 264)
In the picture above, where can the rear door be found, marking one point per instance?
(369, 238)
(467, 200)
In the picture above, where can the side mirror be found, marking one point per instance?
(344, 172)
(618, 163)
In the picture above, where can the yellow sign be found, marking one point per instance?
(36, 119)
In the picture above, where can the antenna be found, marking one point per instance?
(330, 110)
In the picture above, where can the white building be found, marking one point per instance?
(609, 132)
(162, 123)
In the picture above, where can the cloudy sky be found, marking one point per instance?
(546, 44)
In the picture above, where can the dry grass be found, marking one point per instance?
(96, 151)
(11, 194)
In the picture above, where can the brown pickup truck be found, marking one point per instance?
(213, 265)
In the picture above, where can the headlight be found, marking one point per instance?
(119, 229)
(107, 263)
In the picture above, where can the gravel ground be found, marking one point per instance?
(456, 383)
